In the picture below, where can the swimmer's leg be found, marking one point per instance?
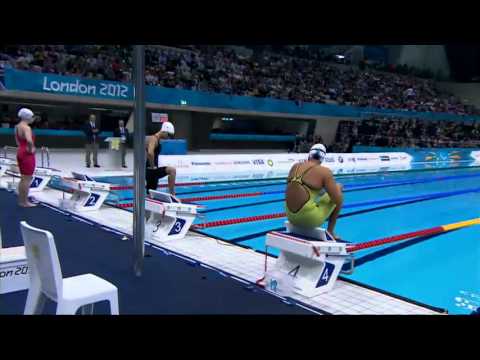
(23, 189)
(172, 174)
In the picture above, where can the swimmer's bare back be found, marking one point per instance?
(316, 177)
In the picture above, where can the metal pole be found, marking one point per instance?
(139, 158)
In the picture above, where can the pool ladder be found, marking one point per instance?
(44, 154)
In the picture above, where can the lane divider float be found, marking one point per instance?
(431, 231)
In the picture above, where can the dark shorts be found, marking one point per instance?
(153, 175)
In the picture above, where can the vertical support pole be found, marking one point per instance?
(139, 158)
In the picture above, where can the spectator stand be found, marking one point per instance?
(221, 69)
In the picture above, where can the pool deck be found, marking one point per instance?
(238, 263)
(245, 265)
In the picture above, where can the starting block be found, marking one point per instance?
(13, 270)
(5, 164)
(88, 195)
(310, 261)
(169, 218)
(41, 176)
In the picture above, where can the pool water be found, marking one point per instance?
(434, 270)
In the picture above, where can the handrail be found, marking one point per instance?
(6, 148)
(44, 154)
(47, 151)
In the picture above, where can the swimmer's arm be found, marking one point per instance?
(292, 172)
(16, 139)
(333, 190)
(151, 151)
(29, 139)
(336, 196)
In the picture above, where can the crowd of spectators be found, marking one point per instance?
(304, 144)
(299, 75)
(102, 62)
(410, 132)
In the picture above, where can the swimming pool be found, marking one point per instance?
(435, 270)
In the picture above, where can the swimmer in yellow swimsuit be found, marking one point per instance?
(312, 195)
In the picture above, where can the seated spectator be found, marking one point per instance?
(396, 132)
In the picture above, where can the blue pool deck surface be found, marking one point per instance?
(437, 270)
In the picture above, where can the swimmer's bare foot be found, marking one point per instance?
(27, 205)
(337, 238)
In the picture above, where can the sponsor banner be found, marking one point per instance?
(275, 163)
(201, 163)
(475, 155)
(423, 155)
(67, 85)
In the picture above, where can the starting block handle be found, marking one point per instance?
(164, 197)
(352, 265)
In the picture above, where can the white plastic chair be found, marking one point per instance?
(46, 280)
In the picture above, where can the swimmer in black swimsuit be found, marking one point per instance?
(153, 172)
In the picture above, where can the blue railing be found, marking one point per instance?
(252, 137)
(52, 132)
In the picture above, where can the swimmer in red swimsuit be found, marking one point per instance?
(25, 154)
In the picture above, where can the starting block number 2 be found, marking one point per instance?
(177, 227)
(92, 200)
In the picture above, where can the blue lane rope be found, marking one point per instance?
(363, 211)
(347, 206)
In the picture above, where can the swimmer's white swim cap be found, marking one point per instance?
(168, 128)
(317, 152)
(26, 114)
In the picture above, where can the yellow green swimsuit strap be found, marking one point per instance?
(299, 179)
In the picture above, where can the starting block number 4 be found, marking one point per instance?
(326, 275)
(324, 278)
(36, 182)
